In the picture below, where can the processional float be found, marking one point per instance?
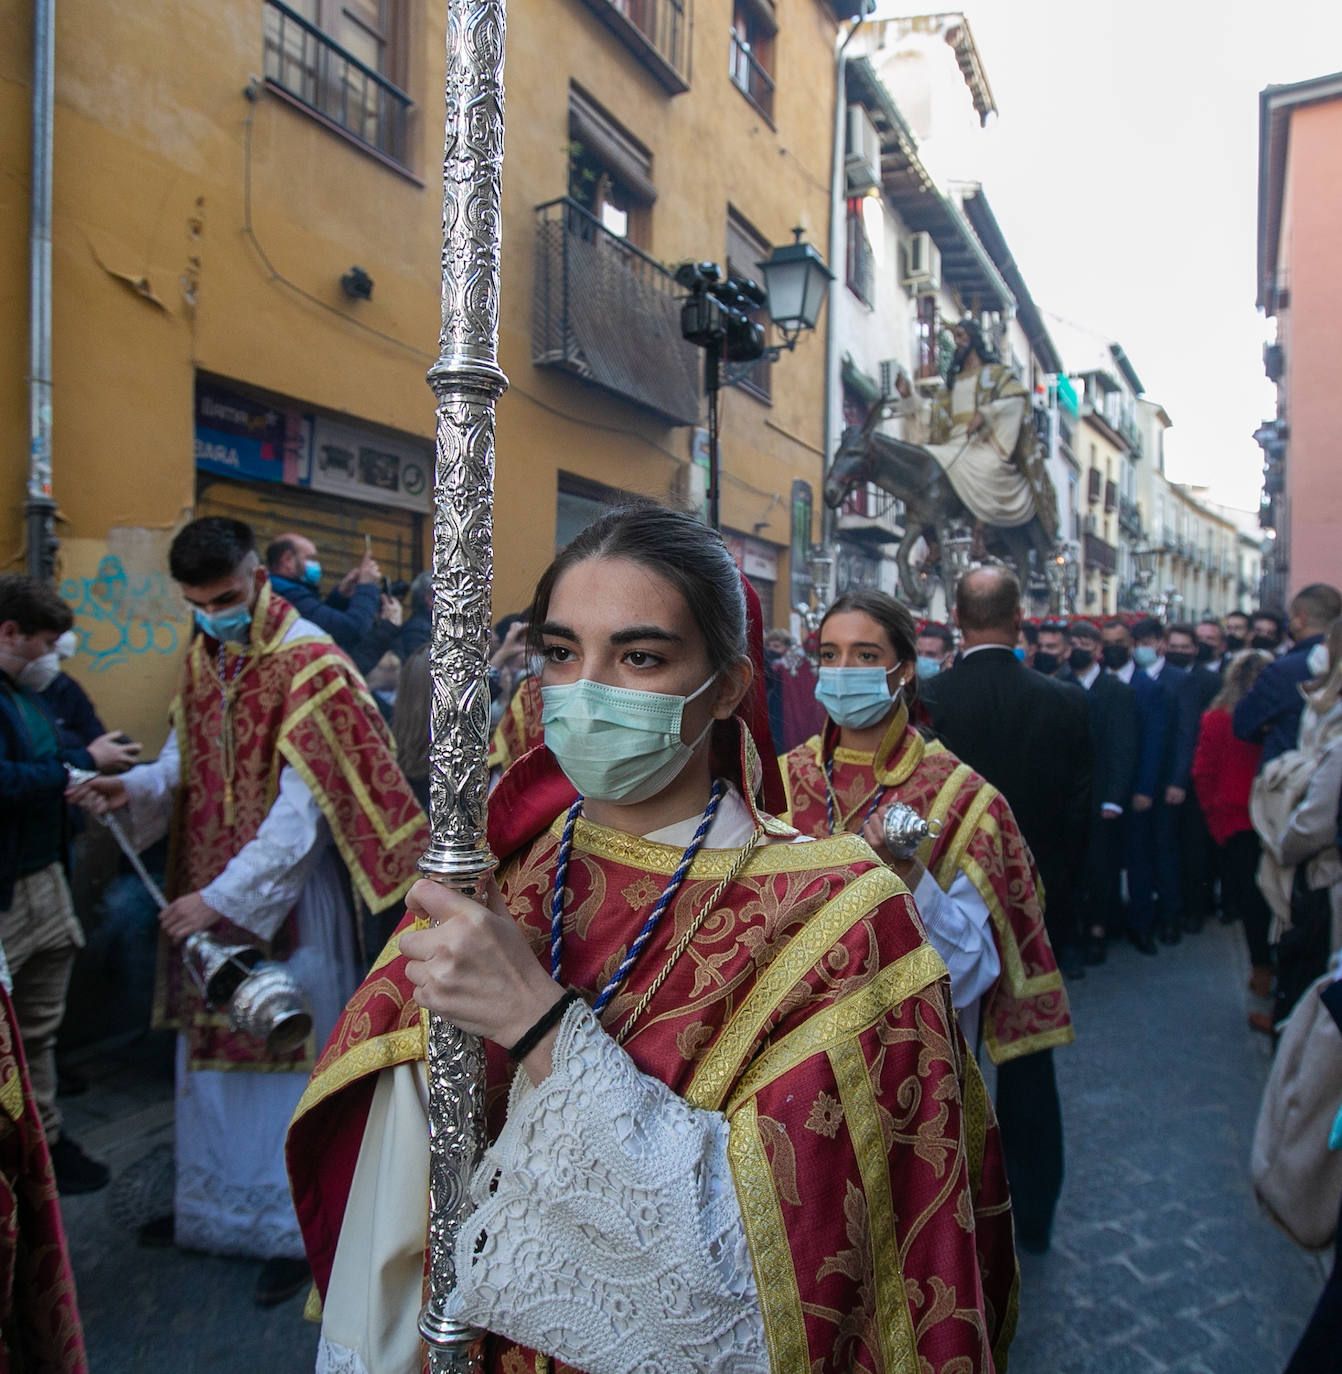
(466, 382)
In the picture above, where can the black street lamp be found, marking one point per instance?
(796, 282)
(717, 317)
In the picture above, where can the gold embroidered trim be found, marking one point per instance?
(894, 1324)
(402, 1046)
(976, 1122)
(312, 1306)
(951, 859)
(766, 1235)
(1000, 1053)
(940, 809)
(11, 1096)
(1013, 965)
(840, 1021)
(634, 850)
(720, 1066)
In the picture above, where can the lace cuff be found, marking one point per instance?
(607, 1231)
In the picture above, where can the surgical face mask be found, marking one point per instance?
(928, 667)
(1234, 643)
(1205, 653)
(232, 626)
(856, 697)
(1178, 658)
(1081, 660)
(1020, 654)
(1115, 656)
(312, 572)
(67, 645)
(1264, 642)
(1144, 655)
(39, 673)
(1046, 662)
(616, 744)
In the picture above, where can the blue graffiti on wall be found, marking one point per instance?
(119, 617)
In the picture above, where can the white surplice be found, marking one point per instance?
(232, 1194)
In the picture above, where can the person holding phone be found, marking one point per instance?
(39, 931)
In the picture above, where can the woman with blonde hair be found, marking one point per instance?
(1224, 768)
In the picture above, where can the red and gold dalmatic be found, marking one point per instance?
(812, 1011)
(39, 1320)
(300, 704)
(1026, 1010)
(520, 729)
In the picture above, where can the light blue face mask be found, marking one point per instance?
(1020, 654)
(1144, 656)
(928, 667)
(616, 744)
(312, 572)
(856, 697)
(232, 626)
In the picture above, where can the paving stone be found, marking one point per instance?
(1169, 1265)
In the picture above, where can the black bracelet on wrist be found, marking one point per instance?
(548, 1022)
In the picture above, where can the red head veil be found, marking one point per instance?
(534, 790)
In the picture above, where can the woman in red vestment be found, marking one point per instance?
(751, 1141)
(973, 878)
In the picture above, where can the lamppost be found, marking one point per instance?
(717, 317)
(1144, 563)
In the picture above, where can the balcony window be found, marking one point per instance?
(340, 62)
(751, 57)
(655, 32)
(860, 260)
(609, 171)
(745, 251)
(608, 313)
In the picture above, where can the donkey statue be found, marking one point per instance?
(933, 511)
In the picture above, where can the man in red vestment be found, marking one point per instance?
(282, 793)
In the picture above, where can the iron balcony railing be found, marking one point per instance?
(305, 64)
(1129, 516)
(607, 312)
(1100, 554)
(654, 31)
(750, 78)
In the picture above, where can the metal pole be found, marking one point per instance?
(40, 507)
(467, 382)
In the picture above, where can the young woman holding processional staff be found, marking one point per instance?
(736, 1136)
(972, 878)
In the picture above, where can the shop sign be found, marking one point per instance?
(366, 466)
(237, 436)
(753, 557)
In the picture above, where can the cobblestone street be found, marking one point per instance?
(1161, 1261)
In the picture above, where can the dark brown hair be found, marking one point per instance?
(894, 618)
(32, 605)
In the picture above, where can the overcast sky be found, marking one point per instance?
(1123, 169)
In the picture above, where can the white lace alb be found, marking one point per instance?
(608, 1230)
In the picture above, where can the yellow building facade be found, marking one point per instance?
(246, 236)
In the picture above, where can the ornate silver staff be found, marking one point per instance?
(466, 381)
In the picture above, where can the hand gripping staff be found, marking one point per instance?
(466, 382)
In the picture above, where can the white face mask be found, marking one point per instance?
(39, 673)
(67, 645)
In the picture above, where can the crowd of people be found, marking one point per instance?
(758, 909)
(1189, 814)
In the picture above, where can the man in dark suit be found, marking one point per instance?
(1139, 837)
(1175, 653)
(1270, 713)
(1212, 652)
(1030, 737)
(1114, 740)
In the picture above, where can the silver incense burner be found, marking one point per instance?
(263, 998)
(904, 830)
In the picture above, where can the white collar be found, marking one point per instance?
(1124, 674)
(1087, 679)
(979, 648)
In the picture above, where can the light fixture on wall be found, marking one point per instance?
(357, 284)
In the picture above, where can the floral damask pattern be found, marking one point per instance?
(1026, 1009)
(298, 703)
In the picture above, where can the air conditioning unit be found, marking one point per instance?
(924, 258)
(862, 166)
